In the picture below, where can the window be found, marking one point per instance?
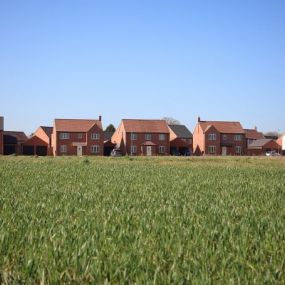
(238, 137)
(238, 149)
(162, 137)
(80, 136)
(161, 149)
(63, 136)
(63, 148)
(134, 136)
(225, 137)
(147, 137)
(95, 148)
(133, 149)
(95, 136)
(212, 137)
(212, 149)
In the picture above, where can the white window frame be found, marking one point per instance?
(212, 137)
(147, 137)
(79, 136)
(238, 138)
(64, 136)
(161, 149)
(238, 149)
(63, 148)
(212, 149)
(162, 137)
(225, 137)
(95, 136)
(134, 149)
(95, 148)
(134, 136)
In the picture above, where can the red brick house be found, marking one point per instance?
(39, 143)
(142, 137)
(181, 140)
(1, 135)
(261, 146)
(219, 138)
(77, 137)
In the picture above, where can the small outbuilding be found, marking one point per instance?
(260, 147)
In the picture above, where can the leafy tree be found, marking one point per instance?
(110, 128)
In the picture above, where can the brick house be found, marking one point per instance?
(39, 143)
(1, 135)
(142, 137)
(77, 137)
(219, 138)
(181, 140)
(261, 146)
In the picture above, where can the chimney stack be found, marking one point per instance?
(255, 127)
(100, 118)
(199, 119)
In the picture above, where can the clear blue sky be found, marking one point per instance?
(221, 60)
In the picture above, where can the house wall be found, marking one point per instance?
(216, 143)
(198, 140)
(40, 133)
(141, 139)
(86, 138)
(231, 140)
(118, 136)
(172, 135)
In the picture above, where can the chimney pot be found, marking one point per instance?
(100, 118)
(199, 119)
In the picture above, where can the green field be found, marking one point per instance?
(142, 221)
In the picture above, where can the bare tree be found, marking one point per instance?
(171, 121)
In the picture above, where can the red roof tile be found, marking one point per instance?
(75, 125)
(145, 126)
(253, 134)
(223, 127)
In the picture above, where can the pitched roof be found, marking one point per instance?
(259, 143)
(181, 131)
(20, 136)
(47, 130)
(145, 126)
(223, 127)
(253, 134)
(75, 125)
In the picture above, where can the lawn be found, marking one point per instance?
(142, 220)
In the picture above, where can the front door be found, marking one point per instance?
(79, 150)
(148, 150)
(224, 150)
